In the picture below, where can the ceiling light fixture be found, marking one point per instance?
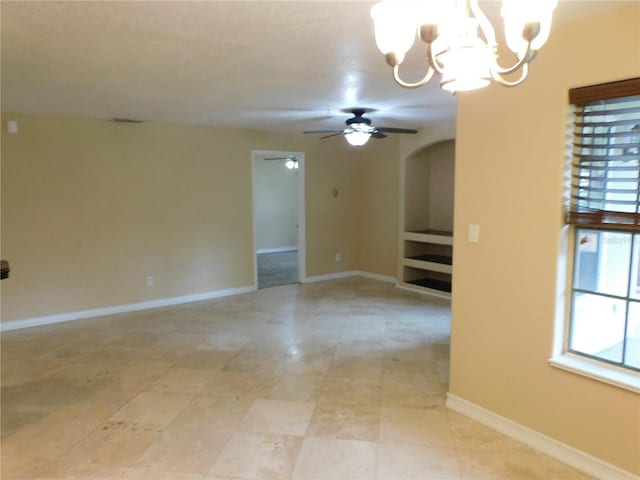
(455, 49)
(357, 134)
(292, 164)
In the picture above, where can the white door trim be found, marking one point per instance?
(257, 155)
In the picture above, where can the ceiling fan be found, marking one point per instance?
(359, 129)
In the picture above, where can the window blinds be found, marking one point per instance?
(605, 176)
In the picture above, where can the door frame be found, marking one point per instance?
(256, 156)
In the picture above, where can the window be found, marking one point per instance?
(605, 321)
(605, 212)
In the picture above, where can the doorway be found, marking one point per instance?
(278, 218)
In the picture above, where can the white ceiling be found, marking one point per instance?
(275, 65)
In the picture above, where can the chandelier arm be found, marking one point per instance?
(485, 25)
(523, 60)
(431, 58)
(425, 79)
(500, 79)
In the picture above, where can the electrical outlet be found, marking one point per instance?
(338, 257)
(150, 281)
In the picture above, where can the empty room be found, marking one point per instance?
(320, 240)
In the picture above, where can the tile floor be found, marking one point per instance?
(334, 380)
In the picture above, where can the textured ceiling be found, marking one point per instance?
(275, 65)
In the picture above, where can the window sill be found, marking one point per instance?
(618, 377)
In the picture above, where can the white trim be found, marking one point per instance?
(569, 455)
(350, 273)
(377, 276)
(302, 218)
(129, 307)
(277, 250)
(163, 302)
(596, 370)
(560, 356)
(254, 239)
(424, 291)
(331, 276)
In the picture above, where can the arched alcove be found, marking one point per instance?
(427, 218)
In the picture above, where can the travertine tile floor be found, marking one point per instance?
(335, 380)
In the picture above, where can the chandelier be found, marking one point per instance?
(460, 40)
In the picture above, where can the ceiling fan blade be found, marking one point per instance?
(333, 130)
(332, 135)
(280, 158)
(396, 130)
(378, 134)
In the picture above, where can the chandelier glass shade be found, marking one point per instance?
(460, 40)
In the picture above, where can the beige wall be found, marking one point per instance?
(377, 195)
(427, 135)
(509, 172)
(429, 186)
(335, 233)
(417, 179)
(330, 228)
(276, 204)
(441, 185)
(91, 207)
(376, 184)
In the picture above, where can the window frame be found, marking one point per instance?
(628, 299)
(562, 356)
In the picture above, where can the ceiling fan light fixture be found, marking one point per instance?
(357, 138)
(292, 164)
(359, 129)
(358, 132)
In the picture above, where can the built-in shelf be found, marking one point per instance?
(430, 236)
(4, 269)
(426, 255)
(428, 260)
(433, 266)
(433, 284)
(444, 259)
(439, 233)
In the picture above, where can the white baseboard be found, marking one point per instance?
(330, 276)
(349, 273)
(130, 307)
(569, 455)
(164, 302)
(277, 250)
(377, 276)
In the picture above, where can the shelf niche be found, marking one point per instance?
(426, 232)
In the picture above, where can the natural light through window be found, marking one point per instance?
(601, 338)
(606, 297)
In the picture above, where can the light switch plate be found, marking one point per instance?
(474, 233)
